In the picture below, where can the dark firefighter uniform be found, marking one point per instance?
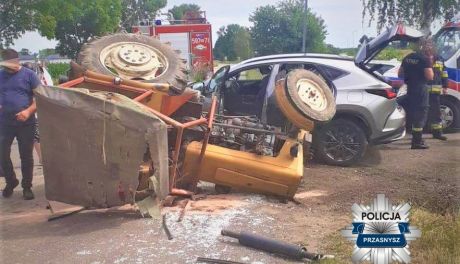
(413, 66)
(439, 82)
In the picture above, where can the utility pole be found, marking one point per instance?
(304, 38)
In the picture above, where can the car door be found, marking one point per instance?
(244, 90)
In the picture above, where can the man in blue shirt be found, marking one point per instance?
(17, 120)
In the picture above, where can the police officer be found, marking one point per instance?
(417, 72)
(438, 85)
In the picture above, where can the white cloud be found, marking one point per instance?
(34, 42)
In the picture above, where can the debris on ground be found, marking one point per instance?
(271, 245)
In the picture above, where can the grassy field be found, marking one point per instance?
(439, 243)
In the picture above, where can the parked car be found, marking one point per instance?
(367, 111)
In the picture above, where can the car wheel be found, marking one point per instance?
(340, 142)
(450, 114)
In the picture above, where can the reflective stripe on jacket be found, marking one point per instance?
(440, 79)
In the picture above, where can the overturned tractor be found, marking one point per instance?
(126, 129)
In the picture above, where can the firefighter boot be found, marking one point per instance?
(437, 134)
(417, 142)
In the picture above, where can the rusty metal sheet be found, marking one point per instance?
(93, 144)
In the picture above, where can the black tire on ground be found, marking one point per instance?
(175, 74)
(447, 103)
(293, 93)
(340, 142)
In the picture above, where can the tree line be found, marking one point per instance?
(276, 28)
(73, 23)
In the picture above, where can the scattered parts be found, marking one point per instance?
(60, 210)
(165, 228)
(184, 208)
(271, 245)
(216, 261)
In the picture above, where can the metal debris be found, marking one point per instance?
(166, 229)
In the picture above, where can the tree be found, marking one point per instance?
(73, 23)
(24, 51)
(278, 29)
(419, 13)
(16, 18)
(135, 10)
(233, 42)
(179, 11)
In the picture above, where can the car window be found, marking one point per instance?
(333, 73)
(448, 43)
(380, 68)
(251, 75)
(253, 78)
(255, 74)
(245, 90)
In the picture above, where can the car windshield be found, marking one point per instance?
(217, 79)
(448, 42)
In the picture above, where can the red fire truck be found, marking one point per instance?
(192, 36)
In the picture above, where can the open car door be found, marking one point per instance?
(370, 49)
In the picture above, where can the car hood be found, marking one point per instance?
(369, 49)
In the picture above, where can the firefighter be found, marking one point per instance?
(437, 86)
(416, 71)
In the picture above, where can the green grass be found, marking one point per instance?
(439, 243)
(440, 240)
(57, 69)
(338, 246)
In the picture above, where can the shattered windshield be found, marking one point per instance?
(448, 43)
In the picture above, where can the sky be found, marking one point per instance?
(343, 19)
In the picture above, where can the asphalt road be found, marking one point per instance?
(430, 178)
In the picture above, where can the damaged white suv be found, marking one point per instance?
(367, 111)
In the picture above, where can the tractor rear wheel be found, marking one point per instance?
(304, 98)
(134, 57)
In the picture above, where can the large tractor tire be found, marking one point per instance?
(304, 98)
(134, 57)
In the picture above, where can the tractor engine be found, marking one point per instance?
(244, 133)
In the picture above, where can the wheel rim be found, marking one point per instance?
(311, 94)
(133, 60)
(447, 116)
(341, 144)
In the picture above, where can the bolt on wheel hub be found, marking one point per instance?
(135, 55)
(131, 60)
(311, 94)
